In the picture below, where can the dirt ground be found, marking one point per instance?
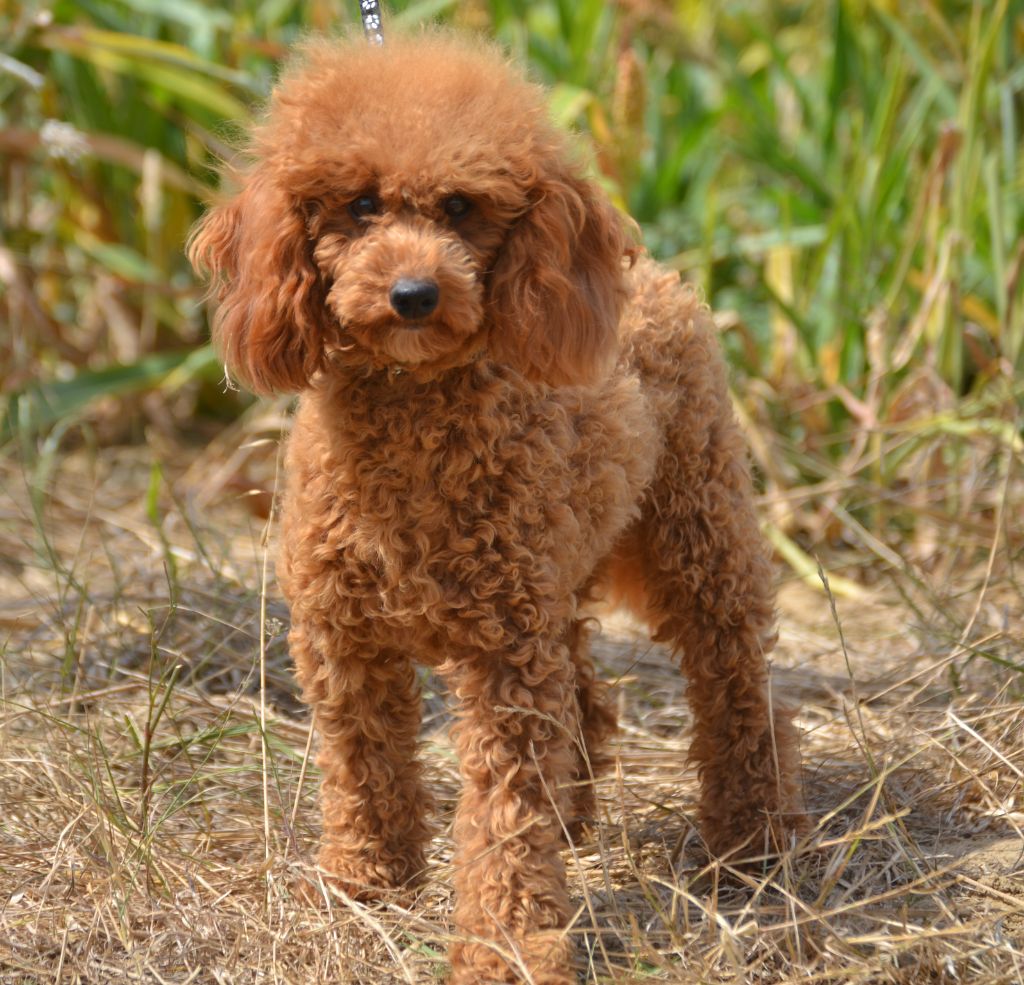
(158, 799)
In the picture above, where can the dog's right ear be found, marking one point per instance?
(557, 288)
(270, 323)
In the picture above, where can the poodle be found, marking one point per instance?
(507, 413)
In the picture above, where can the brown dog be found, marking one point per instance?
(504, 414)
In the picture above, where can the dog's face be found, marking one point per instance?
(406, 282)
(410, 207)
(405, 245)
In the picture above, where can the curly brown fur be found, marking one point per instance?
(472, 461)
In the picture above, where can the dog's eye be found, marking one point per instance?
(456, 206)
(365, 205)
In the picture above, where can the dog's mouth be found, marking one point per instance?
(374, 333)
(413, 318)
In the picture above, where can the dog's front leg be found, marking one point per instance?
(515, 738)
(366, 711)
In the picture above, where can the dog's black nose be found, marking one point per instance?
(414, 297)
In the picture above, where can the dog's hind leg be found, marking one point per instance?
(596, 724)
(708, 593)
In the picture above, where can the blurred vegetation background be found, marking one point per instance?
(844, 180)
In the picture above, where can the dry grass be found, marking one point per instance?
(149, 833)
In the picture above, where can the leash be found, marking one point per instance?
(369, 10)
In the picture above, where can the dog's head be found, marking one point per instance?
(411, 206)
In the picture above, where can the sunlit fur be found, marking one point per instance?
(459, 488)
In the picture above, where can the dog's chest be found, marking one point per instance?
(428, 489)
(454, 509)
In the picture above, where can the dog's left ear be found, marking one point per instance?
(270, 323)
(557, 289)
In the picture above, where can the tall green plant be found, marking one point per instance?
(843, 180)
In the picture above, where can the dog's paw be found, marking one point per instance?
(360, 879)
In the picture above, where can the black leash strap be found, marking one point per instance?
(370, 12)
